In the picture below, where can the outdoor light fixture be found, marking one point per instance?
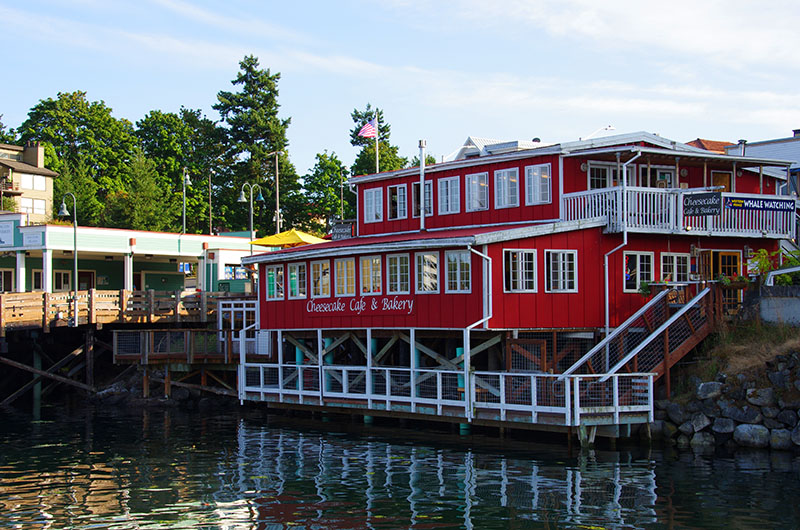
(186, 182)
(243, 198)
(63, 212)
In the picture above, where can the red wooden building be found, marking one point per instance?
(527, 256)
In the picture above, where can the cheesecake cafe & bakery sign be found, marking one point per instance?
(361, 306)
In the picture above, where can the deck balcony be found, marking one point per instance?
(650, 210)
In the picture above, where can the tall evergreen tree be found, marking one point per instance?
(255, 133)
(327, 193)
(7, 136)
(75, 178)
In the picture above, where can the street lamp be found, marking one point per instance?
(243, 198)
(277, 192)
(186, 182)
(63, 212)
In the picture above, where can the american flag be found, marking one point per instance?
(369, 130)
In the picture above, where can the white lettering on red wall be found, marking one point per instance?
(387, 305)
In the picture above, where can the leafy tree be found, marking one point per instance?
(75, 178)
(83, 133)
(7, 136)
(142, 205)
(255, 133)
(324, 187)
(364, 164)
(429, 161)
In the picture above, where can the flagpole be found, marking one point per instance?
(377, 134)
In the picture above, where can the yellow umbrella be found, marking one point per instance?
(290, 238)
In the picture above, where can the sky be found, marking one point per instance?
(440, 70)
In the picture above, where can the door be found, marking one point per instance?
(85, 280)
(729, 265)
(722, 178)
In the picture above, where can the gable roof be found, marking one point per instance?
(711, 145)
(22, 167)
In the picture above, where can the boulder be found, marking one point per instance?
(787, 417)
(675, 413)
(747, 435)
(770, 423)
(790, 404)
(797, 384)
(796, 435)
(661, 404)
(700, 421)
(686, 428)
(736, 394)
(761, 397)
(780, 439)
(711, 390)
(723, 426)
(745, 414)
(709, 408)
(660, 414)
(683, 441)
(692, 407)
(669, 430)
(778, 379)
(702, 439)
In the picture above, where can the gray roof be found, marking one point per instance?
(784, 149)
(22, 167)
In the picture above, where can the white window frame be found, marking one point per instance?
(640, 278)
(373, 205)
(34, 273)
(520, 283)
(563, 274)
(463, 260)
(62, 273)
(300, 271)
(673, 258)
(402, 202)
(477, 196)
(610, 175)
(398, 282)
(26, 205)
(374, 268)
(449, 196)
(506, 188)
(655, 173)
(421, 272)
(274, 278)
(345, 284)
(7, 288)
(538, 184)
(324, 279)
(26, 181)
(428, 199)
(39, 183)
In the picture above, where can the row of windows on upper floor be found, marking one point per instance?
(506, 182)
(519, 273)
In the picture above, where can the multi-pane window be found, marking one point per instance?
(373, 205)
(606, 176)
(62, 281)
(36, 281)
(449, 196)
(32, 182)
(674, 267)
(345, 277)
(427, 272)
(397, 201)
(28, 205)
(519, 271)
(477, 192)
(297, 280)
(274, 282)
(398, 274)
(458, 271)
(506, 188)
(537, 184)
(371, 275)
(428, 198)
(656, 177)
(320, 279)
(7, 280)
(561, 271)
(638, 269)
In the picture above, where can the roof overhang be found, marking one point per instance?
(707, 156)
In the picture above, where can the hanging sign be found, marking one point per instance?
(702, 203)
(778, 205)
(342, 230)
(362, 306)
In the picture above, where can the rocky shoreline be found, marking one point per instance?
(760, 409)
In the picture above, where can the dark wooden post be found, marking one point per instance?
(46, 312)
(88, 349)
(178, 306)
(146, 382)
(92, 306)
(123, 302)
(167, 382)
(151, 304)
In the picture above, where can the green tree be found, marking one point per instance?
(255, 133)
(7, 136)
(325, 190)
(364, 163)
(75, 178)
(85, 133)
(429, 161)
(142, 206)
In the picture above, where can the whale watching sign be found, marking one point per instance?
(778, 205)
(711, 204)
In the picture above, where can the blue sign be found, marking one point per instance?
(778, 205)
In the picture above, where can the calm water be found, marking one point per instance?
(168, 469)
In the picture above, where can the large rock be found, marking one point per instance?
(723, 426)
(661, 404)
(779, 379)
(761, 397)
(796, 435)
(709, 408)
(787, 417)
(702, 439)
(686, 428)
(770, 412)
(660, 414)
(780, 439)
(745, 414)
(700, 421)
(747, 435)
(711, 390)
(683, 441)
(675, 413)
(788, 404)
(770, 423)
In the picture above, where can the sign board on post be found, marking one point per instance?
(702, 203)
(342, 230)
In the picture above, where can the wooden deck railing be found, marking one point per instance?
(48, 310)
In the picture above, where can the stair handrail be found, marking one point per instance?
(634, 352)
(611, 336)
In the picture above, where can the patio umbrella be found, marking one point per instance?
(290, 238)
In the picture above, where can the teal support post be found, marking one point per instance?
(463, 428)
(327, 360)
(298, 360)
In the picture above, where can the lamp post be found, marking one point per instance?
(211, 173)
(185, 182)
(63, 212)
(277, 192)
(243, 198)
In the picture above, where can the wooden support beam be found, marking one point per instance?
(46, 374)
(430, 353)
(210, 389)
(386, 347)
(479, 348)
(218, 380)
(333, 345)
(303, 347)
(65, 360)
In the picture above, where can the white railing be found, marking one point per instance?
(661, 210)
(537, 398)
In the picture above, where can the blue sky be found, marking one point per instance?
(440, 70)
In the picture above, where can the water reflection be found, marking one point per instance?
(170, 470)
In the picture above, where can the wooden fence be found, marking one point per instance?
(48, 310)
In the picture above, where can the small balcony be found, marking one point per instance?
(651, 210)
(9, 188)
